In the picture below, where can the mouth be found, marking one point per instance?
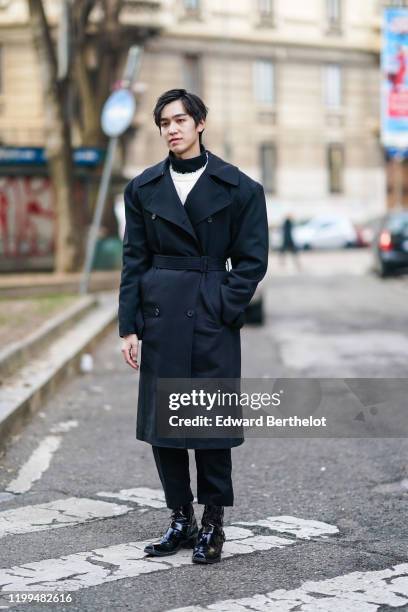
(175, 140)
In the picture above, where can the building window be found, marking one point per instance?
(265, 9)
(333, 15)
(333, 86)
(192, 73)
(267, 153)
(335, 167)
(191, 6)
(264, 82)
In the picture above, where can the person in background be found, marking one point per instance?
(288, 244)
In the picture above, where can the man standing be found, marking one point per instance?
(288, 242)
(185, 217)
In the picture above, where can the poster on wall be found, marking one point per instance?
(394, 67)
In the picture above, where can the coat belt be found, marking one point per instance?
(186, 262)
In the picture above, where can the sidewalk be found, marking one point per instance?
(45, 283)
(354, 262)
(50, 352)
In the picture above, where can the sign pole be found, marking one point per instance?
(117, 115)
(400, 181)
(100, 205)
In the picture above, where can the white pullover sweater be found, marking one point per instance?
(185, 181)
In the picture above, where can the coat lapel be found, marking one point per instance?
(209, 194)
(206, 198)
(165, 202)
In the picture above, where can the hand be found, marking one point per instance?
(130, 349)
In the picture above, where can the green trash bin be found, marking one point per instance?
(108, 254)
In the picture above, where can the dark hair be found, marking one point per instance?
(193, 105)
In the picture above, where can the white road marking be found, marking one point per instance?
(144, 496)
(64, 426)
(40, 459)
(301, 528)
(85, 569)
(35, 466)
(59, 513)
(75, 510)
(354, 592)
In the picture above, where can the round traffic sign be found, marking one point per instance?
(118, 112)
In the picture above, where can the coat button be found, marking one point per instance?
(190, 313)
(154, 215)
(156, 311)
(209, 219)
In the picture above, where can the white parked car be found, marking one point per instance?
(325, 232)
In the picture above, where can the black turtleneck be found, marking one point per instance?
(188, 165)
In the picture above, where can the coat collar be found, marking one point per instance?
(209, 195)
(216, 167)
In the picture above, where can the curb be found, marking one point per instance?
(25, 392)
(43, 284)
(19, 353)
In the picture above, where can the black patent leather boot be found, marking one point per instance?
(182, 533)
(211, 536)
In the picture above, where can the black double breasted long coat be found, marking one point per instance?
(189, 321)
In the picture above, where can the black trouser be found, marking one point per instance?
(214, 482)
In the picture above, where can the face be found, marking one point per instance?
(178, 129)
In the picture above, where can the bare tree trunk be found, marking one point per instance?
(68, 250)
(108, 48)
(91, 133)
(89, 120)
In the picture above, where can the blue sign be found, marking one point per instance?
(118, 112)
(88, 156)
(396, 153)
(36, 156)
(22, 155)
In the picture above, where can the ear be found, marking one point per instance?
(202, 125)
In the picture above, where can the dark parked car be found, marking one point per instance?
(390, 246)
(254, 313)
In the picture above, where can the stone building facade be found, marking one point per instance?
(292, 89)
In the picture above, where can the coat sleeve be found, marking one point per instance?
(249, 257)
(136, 260)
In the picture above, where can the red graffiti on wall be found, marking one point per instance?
(26, 216)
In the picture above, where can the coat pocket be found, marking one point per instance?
(211, 295)
(214, 306)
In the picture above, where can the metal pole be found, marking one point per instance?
(129, 74)
(400, 181)
(132, 66)
(100, 204)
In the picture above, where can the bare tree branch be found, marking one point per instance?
(42, 39)
(57, 143)
(97, 50)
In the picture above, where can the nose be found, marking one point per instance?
(172, 128)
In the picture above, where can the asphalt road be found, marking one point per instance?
(326, 518)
